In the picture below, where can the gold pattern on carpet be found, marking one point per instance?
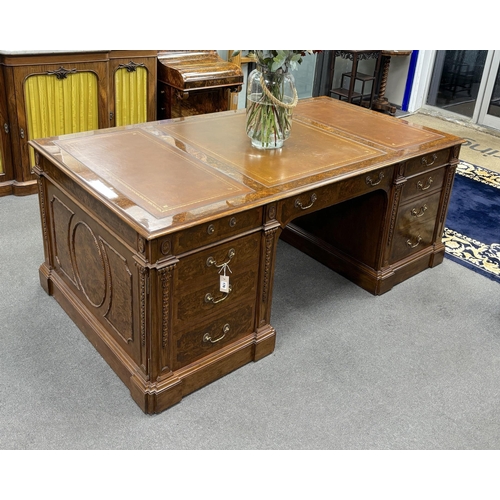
(483, 256)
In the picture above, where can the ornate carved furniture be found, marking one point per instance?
(353, 82)
(160, 238)
(50, 93)
(195, 82)
(381, 103)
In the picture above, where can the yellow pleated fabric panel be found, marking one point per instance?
(131, 96)
(58, 107)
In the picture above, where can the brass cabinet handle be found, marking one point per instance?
(424, 160)
(413, 245)
(208, 338)
(298, 203)
(212, 262)
(372, 182)
(210, 298)
(6, 127)
(22, 133)
(421, 186)
(420, 212)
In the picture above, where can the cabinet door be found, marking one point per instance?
(133, 84)
(53, 99)
(5, 158)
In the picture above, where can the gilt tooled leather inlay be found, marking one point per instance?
(230, 145)
(137, 164)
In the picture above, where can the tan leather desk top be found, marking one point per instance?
(167, 175)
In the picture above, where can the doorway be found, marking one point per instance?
(467, 83)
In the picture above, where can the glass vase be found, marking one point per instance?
(271, 98)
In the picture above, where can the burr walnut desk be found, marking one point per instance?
(160, 238)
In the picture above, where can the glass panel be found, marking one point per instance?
(456, 79)
(494, 107)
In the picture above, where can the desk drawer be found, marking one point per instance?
(198, 270)
(208, 300)
(415, 226)
(325, 196)
(426, 182)
(426, 162)
(207, 337)
(216, 230)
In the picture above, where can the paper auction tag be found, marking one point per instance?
(224, 284)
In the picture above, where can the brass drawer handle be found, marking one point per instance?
(298, 203)
(420, 212)
(212, 262)
(208, 338)
(372, 182)
(424, 160)
(414, 245)
(421, 186)
(210, 298)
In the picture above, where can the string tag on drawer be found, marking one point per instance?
(224, 280)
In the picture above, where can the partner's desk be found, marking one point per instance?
(139, 224)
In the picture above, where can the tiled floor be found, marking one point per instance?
(482, 146)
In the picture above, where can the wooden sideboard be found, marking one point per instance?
(49, 93)
(140, 223)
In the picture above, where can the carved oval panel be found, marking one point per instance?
(89, 264)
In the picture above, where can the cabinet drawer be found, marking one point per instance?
(415, 226)
(325, 196)
(419, 184)
(425, 162)
(213, 231)
(208, 300)
(206, 338)
(201, 269)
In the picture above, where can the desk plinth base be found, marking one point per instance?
(377, 282)
(156, 396)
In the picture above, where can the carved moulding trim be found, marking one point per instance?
(78, 271)
(61, 73)
(166, 279)
(131, 66)
(106, 246)
(449, 182)
(346, 54)
(143, 277)
(270, 234)
(394, 212)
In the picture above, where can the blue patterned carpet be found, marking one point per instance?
(472, 229)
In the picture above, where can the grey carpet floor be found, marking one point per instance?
(416, 368)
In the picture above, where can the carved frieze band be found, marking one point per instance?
(143, 276)
(43, 212)
(346, 54)
(165, 278)
(450, 174)
(395, 205)
(270, 235)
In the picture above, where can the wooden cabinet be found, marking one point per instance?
(133, 87)
(194, 82)
(5, 154)
(56, 93)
